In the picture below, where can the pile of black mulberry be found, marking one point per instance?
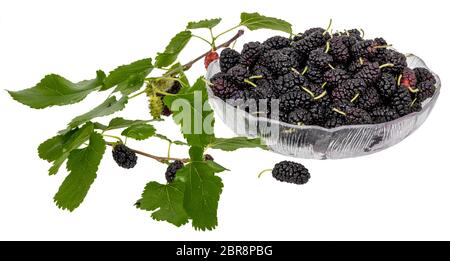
(324, 79)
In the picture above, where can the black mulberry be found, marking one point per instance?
(319, 59)
(314, 74)
(277, 62)
(259, 70)
(291, 172)
(238, 73)
(423, 74)
(277, 42)
(395, 58)
(299, 117)
(357, 64)
(334, 122)
(368, 99)
(250, 53)
(386, 85)
(264, 89)
(363, 48)
(338, 50)
(172, 169)
(348, 89)
(320, 112)
(401, 101)
(335, 77)
(311, 42)
(124, 156)
(307, 33)
(357, 116)
(295, 99)
(228, 59)
(289, 81)
(426, 90)
(293, 54)
(383, 114)
(370, 73)
(355, 33)
(223, 86)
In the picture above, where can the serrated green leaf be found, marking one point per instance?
(139, 131)
(216, 167)
(119, 123)
(167, 200)
(207, 23)
(232, 144)
(58, 148)
(173, 49)
(109, 106)
(202, 191)
(193, 113)
(99, 126)
(83, 165)
(130, 76)
(255, 21)
(53, 148)
(55, 90)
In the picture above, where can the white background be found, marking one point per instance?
(401, 193)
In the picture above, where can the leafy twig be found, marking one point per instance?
(157, 158)
(188, 65)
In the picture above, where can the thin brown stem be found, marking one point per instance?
(157, 158)
(188, 65)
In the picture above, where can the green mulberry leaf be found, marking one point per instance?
(58, 148)
(255, 21)
(207, 23)
(109, 106)
(216, 167)
(53, 148)
(139, 131)
(173, 49)
(83, 165)
(232, 144)
(129, 77)
(177, 70)
(192, 111)
(55, 90)
(167, 200)
(119, 123)
(202, 191)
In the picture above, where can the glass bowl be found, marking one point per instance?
(315, 142)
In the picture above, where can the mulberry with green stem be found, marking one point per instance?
(289, 81)
(295, 99)
(291, 172)
(401, 101)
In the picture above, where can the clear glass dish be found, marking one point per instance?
(314, 142)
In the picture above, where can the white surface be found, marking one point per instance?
(400, 193)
